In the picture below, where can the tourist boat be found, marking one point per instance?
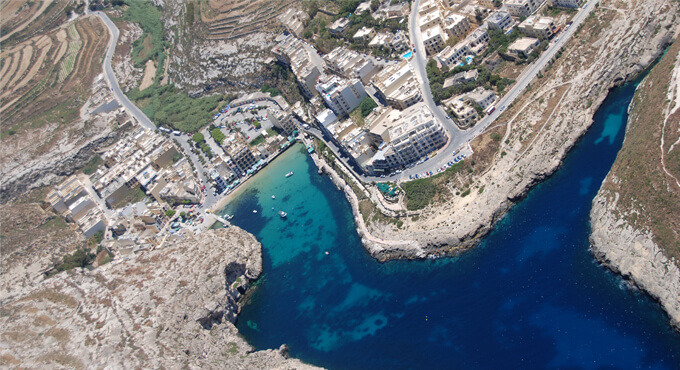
(283, 214)
(289, 174)
(228, 217)
(254, 211)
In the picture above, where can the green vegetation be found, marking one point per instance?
(151, 45)
(217, 135)
(495, 136)
(170, 213)
(190, 14)
(198, 138)
(257, 124)
(92, 165)
(485, 78)
(135, 195)
(367, 106)
(79, 258)
(167, 106)
(499, 41)
(271, 90)
(257, 141)
(422, 192)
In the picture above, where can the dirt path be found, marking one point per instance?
(149, 74)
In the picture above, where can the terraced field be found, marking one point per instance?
(49, 70)
(24, 19)
(233, 19)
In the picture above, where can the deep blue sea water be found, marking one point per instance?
(530, 296)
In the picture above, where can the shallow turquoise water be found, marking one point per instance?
(530, 296)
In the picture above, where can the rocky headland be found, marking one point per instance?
(172, 307)
(634, 218)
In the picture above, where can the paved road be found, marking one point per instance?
(459, 137)
(130, 107)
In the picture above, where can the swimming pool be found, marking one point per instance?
(408, 55)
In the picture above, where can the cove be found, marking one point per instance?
(529, 296)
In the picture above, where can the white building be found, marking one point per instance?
(350, 64)
(519, 8)
(499, 20)
(523, 46)
(433, 39)
(430, 20)
(464, 114)
(398, 86)
(538, 27)
(340, 95)
(456, 25)
(418, 135)
(283, 121)
(339, 26)
(364, 34)
(481, 97)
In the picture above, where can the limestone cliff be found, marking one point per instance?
(169, 308)
(635, 220)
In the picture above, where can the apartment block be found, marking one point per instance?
(539, 27)
(430, 20)
(283, 121)
(499, 20)
(240, 153)
(398, 10)
(456, 25)
(461, 78)
(522, 8)
(380, 122)
(341, 95)
(464, 114)
(294, 21)
(434, 41)
(418, 135)
(294, 52)
(398, 85)
(350, 64)
(473, 44)
(427, 6)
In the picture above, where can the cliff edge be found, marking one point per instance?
(168, 308)
(635, 220)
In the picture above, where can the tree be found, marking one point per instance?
(170, 213)
(367, 106)
(182, 214)
(497, 3)
(479, 16)
(198, 138)
(375, 4)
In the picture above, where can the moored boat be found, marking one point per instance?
(283, 214)
(289, 174)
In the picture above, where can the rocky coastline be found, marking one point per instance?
(631, 41)
(167, 308)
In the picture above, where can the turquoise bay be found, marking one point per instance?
(530, 296)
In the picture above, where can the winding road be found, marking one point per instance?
(457, 136)
(130, 107)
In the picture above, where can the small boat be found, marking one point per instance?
(254, 211)
(228, 217)
(289, 174)
(283, 214)
(273, 197)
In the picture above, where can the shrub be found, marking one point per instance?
(170, 213)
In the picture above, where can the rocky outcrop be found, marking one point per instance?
(633, 254)
(168, 308)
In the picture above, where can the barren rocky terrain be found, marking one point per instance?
(168, 308)
(635, 218)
